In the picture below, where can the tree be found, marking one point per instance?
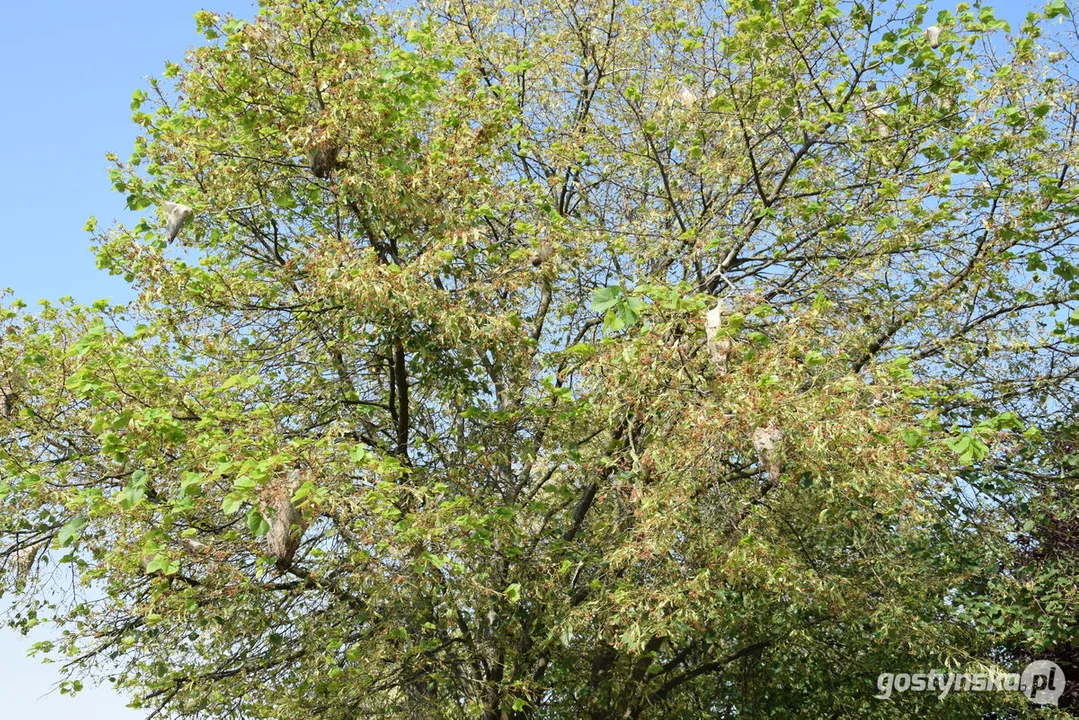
(524, 360)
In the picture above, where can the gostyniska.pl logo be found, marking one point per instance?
(1042, 681)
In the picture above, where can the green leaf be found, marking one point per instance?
(912, 438)
(232, 504)
(256, 523)
(605, 298)
(66, 536)
(513, 593)
(132, 496)
(612, 321)
(627, 315)
(162, 564)
(1057, 8)
(137, 99)
(244, 482)
(303, 492)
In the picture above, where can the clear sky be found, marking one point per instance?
(68, 68)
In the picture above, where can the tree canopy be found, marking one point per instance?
(538, 360)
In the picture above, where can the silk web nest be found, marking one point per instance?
(285, 519)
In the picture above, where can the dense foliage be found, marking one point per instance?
(531, 360)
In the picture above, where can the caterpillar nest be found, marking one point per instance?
(324, 160)
(285, 519)
(719, 347)
(12, 386)
(768, 443)
(23, 558)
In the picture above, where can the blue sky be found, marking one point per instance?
(68, 68)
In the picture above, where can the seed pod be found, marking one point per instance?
(932, 36)
(175, 217)
(768, 442)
